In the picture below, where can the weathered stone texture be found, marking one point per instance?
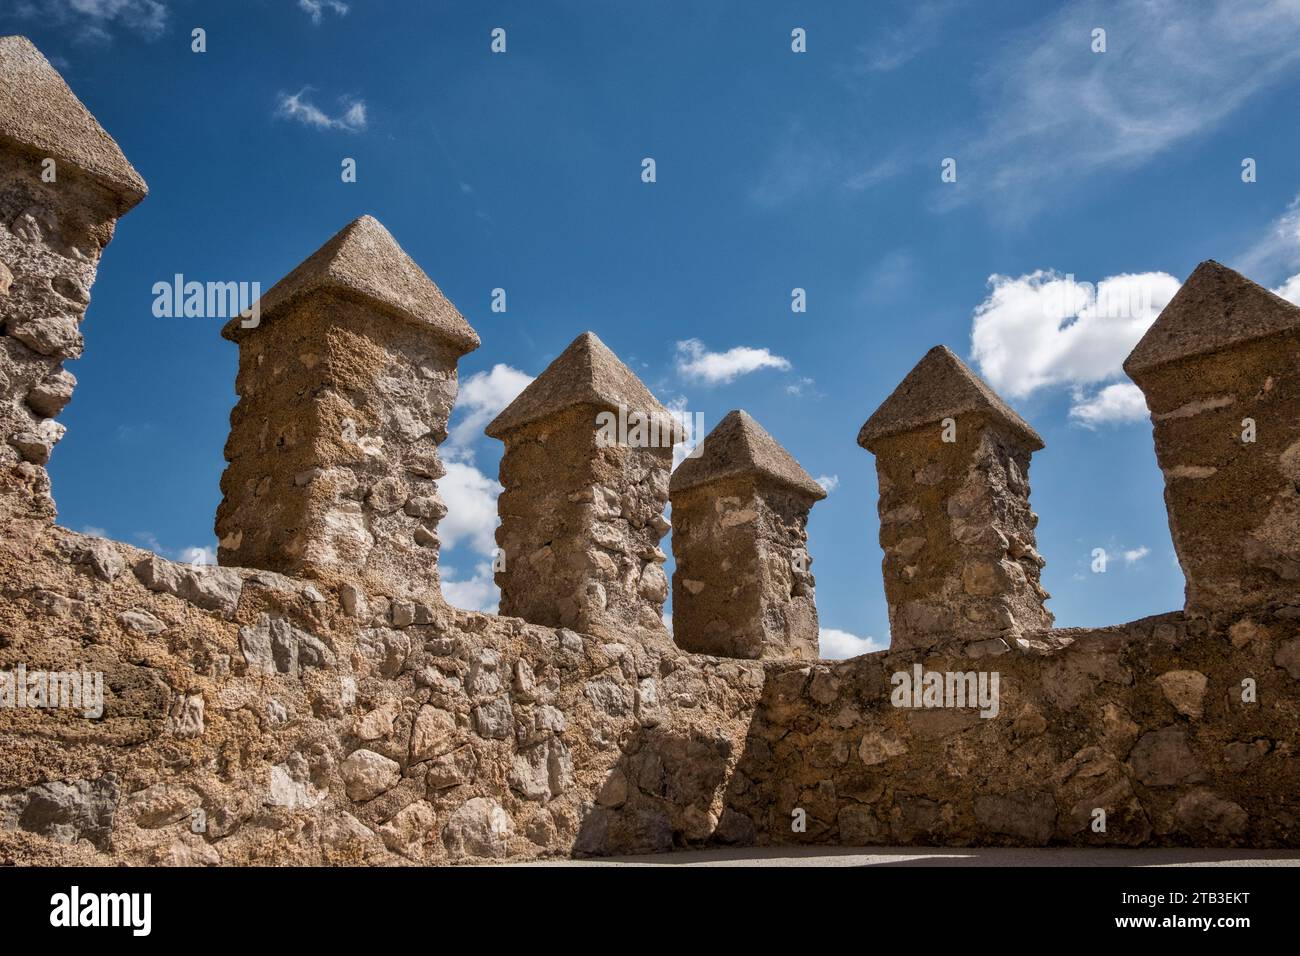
(743, 585)
(955, 522)
(343, 401)
(342, 713)
(582, 516)
(1225, 353)
(1086, 722)
(52, 234)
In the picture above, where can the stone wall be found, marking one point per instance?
(343, 713)
(1145, 722)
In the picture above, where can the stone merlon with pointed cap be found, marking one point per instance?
(346, 381)
(63, 185)
(939, 387)
(743, 585)
(955, 524)
(364, 262)
(586, 373)
(1220, 368)
(585, 472)
(38, 113)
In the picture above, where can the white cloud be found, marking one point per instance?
(205, 554)
(1290, 289)
(1046, 329)
(298, 107)
(471, 499)
(94, 531)
(1173, 70)
(804, 387)
(481, 398)
(1119, 403)
(828, 482)
(477, 593)
(837, 645)
(1134, 555)
(668, 622)
(697, 363)
(316, 8)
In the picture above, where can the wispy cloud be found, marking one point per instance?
(316, 8)
(351, 118)
(1277, 253)
(94, 21)
(697, 363)
(1173, 69)
(893, 45)
(828, 482)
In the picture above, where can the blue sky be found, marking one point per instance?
(775, 170)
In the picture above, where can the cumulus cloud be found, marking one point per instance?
(1115, 404)
(836, 645)
(471, 499)
(1046, 329)
(204, 554)
(481, 398)
(316, 8)
(476, 593)
(352, 117)
(1290, 289)
(697, 363)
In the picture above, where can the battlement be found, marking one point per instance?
(317, 701)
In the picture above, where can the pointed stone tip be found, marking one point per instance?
(363, 260)
(940, 386)
(1216, 308)
(41, 115)
(585, 373)
(739, 446)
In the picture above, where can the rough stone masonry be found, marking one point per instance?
(314, 699)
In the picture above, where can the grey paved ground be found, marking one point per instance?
(913, 856)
